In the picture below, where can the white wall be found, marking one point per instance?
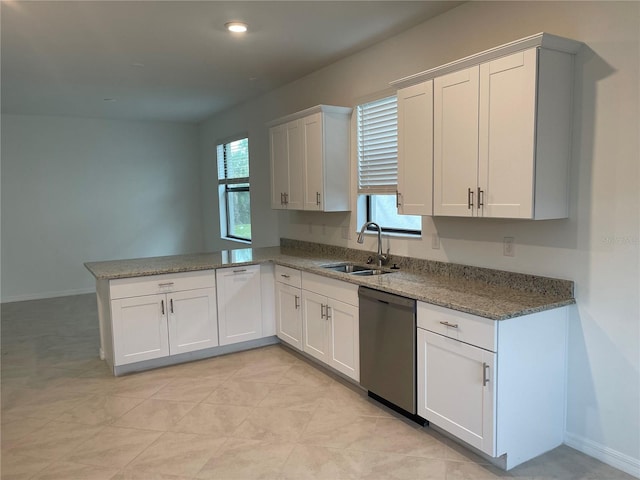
(597, 246)
(77, 190)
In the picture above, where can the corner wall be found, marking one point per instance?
(597, 246)
(78, 189)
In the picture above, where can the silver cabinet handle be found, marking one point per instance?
(286, 198)
(297, 301)
(242, 270)
(317, 198)
(328, 314)
(480, 197)
(485, 374)
(470, 199)
(285, 276)
(398, 202)
(162, 307)
(165, 284)
(171, 305)
(447, 324)
(321, 310)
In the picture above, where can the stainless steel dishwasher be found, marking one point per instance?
(388, 349)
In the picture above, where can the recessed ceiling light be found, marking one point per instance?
(236, 27)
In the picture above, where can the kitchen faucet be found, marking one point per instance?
(381, 257)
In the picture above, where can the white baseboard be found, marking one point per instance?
(606, 455)
(40, 296)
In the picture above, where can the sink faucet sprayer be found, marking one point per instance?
(381, 257)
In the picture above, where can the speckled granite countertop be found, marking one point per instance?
(493, 294)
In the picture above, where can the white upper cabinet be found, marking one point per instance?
(287, 170)
(310, 160)
(415, 149)
(455, 142)
(501, 130)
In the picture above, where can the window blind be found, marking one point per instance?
(233, 161)
(378, 146)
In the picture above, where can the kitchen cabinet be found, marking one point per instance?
(501, 130)
(415, 149)
(239, 304)
(499, 386)
(310, 166)
(455, 142)
(162, 315)
(330, 323)
(286, 166)
(289, 306)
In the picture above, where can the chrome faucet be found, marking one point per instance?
(381, 257)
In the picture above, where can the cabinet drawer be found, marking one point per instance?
(478, 331)
(288, 276)
(153, 284)
(336, 289)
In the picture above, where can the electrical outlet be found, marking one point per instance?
(508, 247)
(435, 241)
(345, 233)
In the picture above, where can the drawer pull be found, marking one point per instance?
(447, 324)
(162, 307)
(321, 310)
(328, 315)
(285, 276)
(165, 284)
(242, 270)
(297, 301)
(485, 374)
(171, 305)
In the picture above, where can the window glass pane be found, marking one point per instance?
(384, 212)
(239, 212)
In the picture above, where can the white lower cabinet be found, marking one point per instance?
(499, 386)
(239, 304)
(457, 392)
(153, 317)
(288, 306)
(330, 323)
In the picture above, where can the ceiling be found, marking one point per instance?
(174, 60)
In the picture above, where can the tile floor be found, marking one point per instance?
(264, 414)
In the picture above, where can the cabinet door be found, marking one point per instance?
(239, 304)
(279, 165)
(415, 149)
(289, 314)
(139, 328)
(455, 143)
(295, 189)
(456, 388)
(315, 328)
(312, 134)
(344, 338)
(192, 320)
(507, 135)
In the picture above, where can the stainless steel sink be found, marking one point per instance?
(352, 269)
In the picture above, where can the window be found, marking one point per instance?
(378, 166)
(233, 189)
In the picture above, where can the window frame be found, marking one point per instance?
(227, 186)
(389, 230)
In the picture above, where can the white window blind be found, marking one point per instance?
(378, 146)
(233, 161)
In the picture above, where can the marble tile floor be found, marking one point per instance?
(260, 414)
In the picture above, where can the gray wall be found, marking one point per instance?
(77, 190)
(597, 246)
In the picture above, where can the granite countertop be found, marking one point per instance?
(492, 294)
